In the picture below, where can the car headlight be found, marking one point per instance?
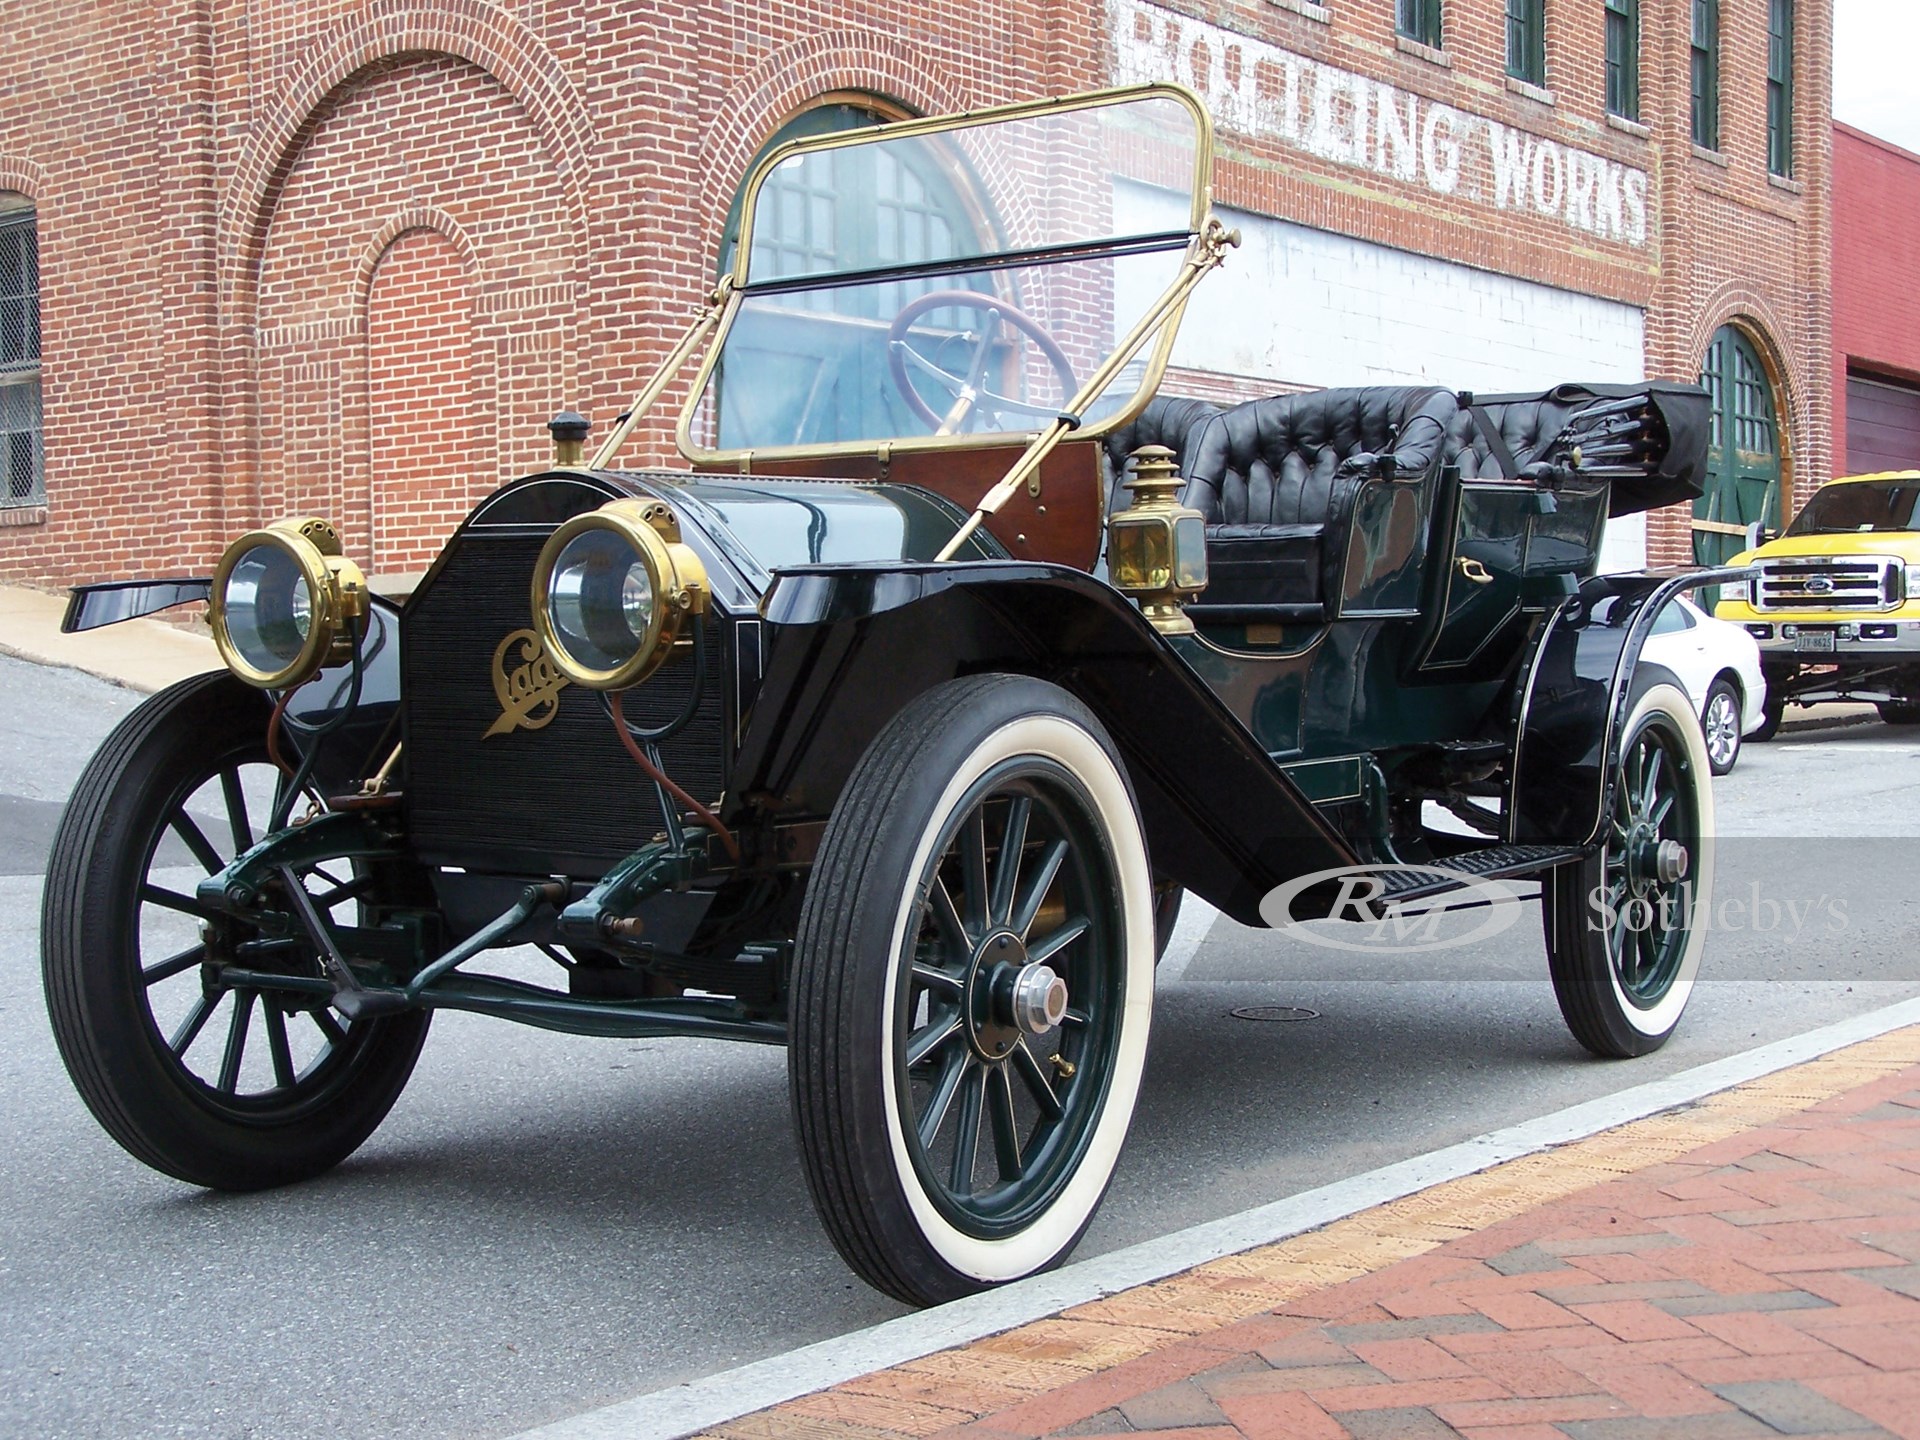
(613, 589)
(282, 600)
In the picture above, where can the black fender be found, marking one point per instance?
(359, 747)
(91, 606)
(848, 646)
(1570, 707)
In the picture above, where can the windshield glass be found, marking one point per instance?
(940, 281)
(1860, 506)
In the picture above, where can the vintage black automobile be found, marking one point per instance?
(893, 730)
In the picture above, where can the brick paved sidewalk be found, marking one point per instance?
(1747, 1266)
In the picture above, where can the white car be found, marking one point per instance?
(1719, 664)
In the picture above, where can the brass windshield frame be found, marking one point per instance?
(1157, 356)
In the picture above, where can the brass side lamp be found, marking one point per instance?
(1157, 547)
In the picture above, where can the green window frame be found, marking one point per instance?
(22, 441)
(1527, 41)
(1780, 87)
(1623, 59)
(1419, 20)
(1706, 74)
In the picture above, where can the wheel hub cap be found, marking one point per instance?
(1653, 861)
(1039, 999)
(1670, 861)
(1008, 996)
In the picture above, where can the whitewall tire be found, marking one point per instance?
(973, 986)
(1625, 927)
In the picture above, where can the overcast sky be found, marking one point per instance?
(1875, 83)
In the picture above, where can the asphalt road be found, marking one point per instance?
(547, 1223)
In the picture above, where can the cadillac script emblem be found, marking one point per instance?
(527, 684)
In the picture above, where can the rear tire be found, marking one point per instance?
(950, 1144)
(1624, 933)
(152, 1080)
(1771, 713)
(1895, 713)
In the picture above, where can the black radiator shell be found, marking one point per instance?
(562, 799)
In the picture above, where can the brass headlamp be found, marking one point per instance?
(1157, 547)
(613, 590)
(283, 601)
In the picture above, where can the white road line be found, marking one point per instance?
(1189, 931)
(682, 1409)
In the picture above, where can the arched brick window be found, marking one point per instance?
(22, 449)
(842, 110)
(421, 400)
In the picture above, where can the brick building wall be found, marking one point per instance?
(348, 255)
(1876, 308)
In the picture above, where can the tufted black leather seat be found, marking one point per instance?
(1276, 479)
(1168, 420)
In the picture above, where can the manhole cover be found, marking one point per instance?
(1274, 1012)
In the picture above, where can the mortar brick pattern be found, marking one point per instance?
(217, 182)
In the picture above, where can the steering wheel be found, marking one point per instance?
(963, 382)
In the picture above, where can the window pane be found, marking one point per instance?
(1706, 73)
(20, 469)
(20, 438)
(1623, 58)
(1527, 41)
(1418, 20)
(1780, 87)
(19, 290)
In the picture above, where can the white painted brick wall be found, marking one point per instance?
(1301, 306)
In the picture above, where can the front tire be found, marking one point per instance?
(1625, 926)
(233, 1089)
(959, 1118)
(1899, 713)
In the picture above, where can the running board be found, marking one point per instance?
(1495, 862)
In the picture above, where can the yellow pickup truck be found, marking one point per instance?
(1836, 604)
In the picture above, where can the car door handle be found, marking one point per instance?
(1474, 570)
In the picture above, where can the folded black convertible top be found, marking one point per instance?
(1649, 438)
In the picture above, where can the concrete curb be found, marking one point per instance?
(1240, 1265)
(143, 655)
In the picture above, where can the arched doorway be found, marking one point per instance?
(1743, 455)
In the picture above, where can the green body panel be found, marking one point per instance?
(1419, 653)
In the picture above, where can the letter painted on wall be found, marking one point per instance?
(1263, 92)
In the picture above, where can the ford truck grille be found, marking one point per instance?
(563, 798)
(1852, 582)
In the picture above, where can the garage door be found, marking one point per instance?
(1883, 426)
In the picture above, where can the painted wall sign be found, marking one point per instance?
(1266, 93)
